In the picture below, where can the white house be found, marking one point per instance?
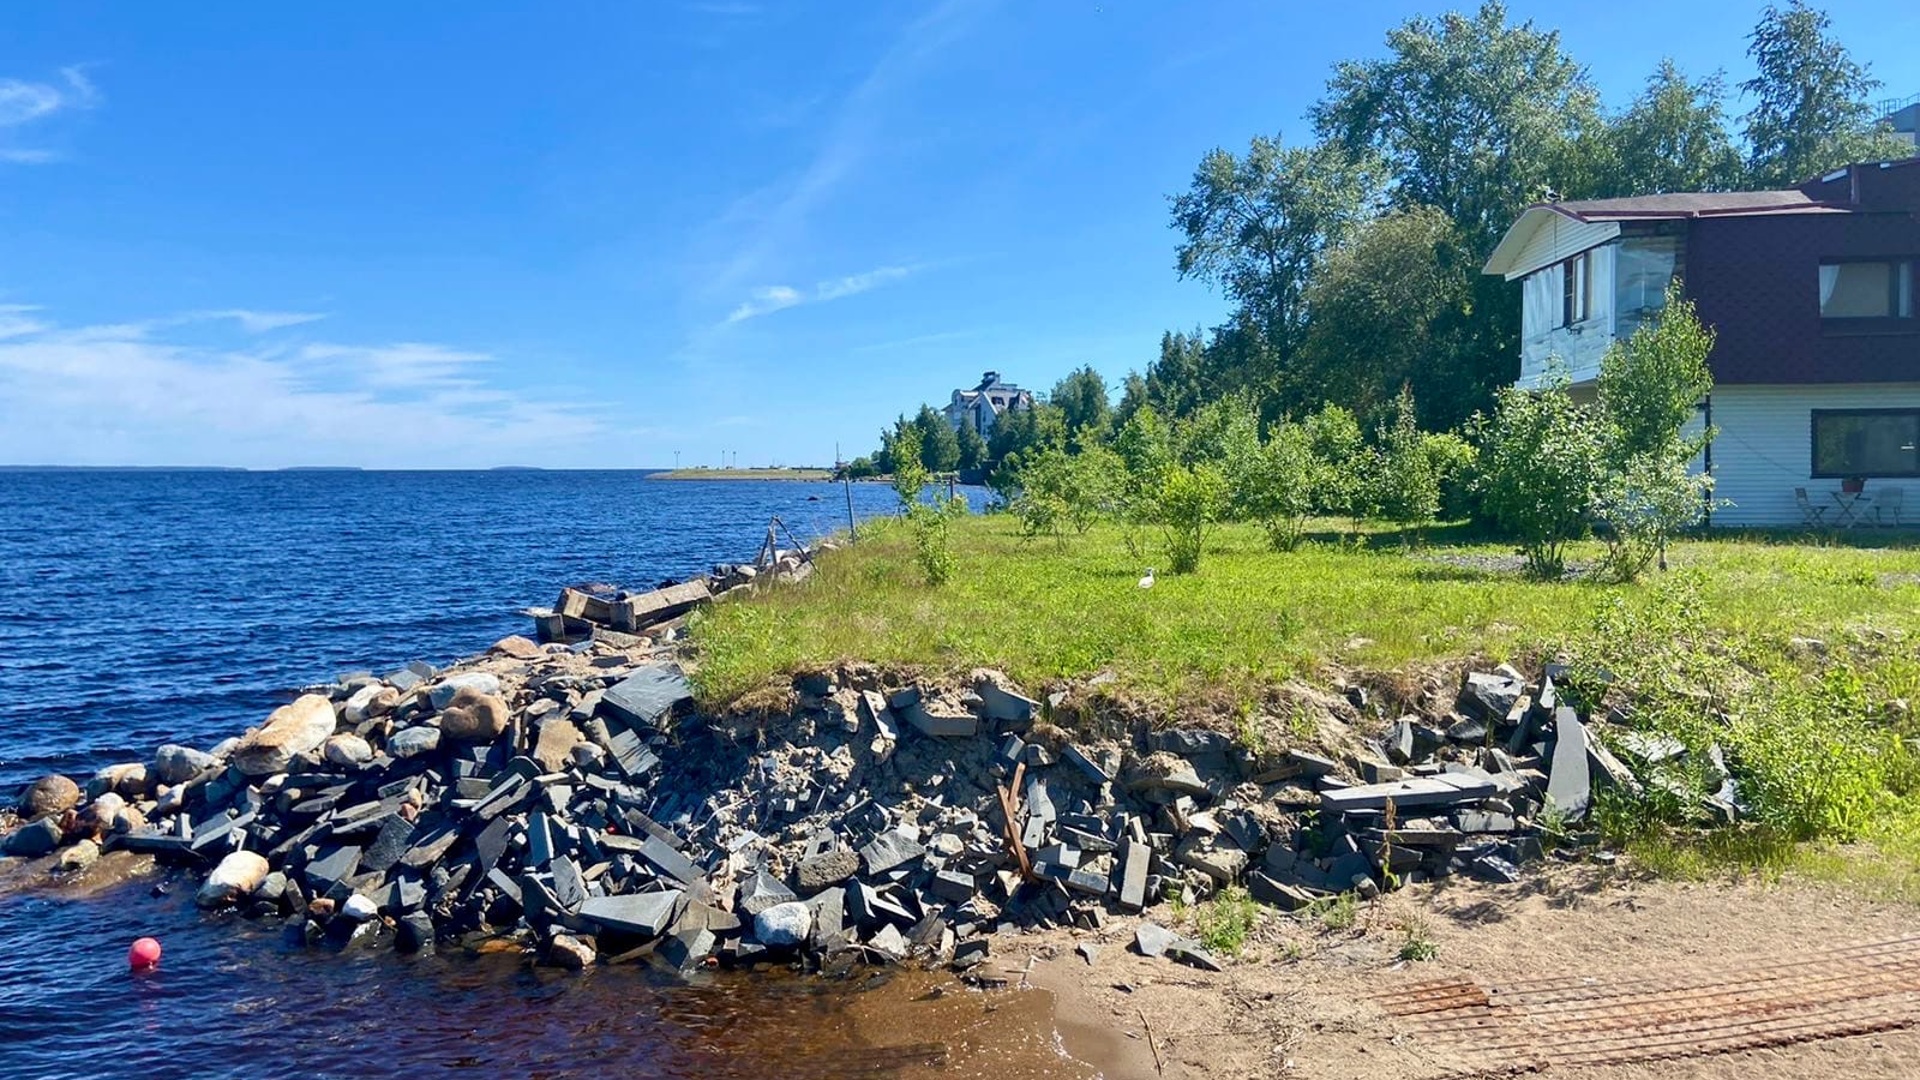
(1812, 295)
(982, 406)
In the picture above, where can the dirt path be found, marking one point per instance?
(1582, 973)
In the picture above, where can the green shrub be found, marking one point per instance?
(1281, 494)
(1644, 503)
(1339, 449)
(928, 521)
(1223, 922)
(1191, 499)
(1539, 469)
(1453, 460)
(1401, 484)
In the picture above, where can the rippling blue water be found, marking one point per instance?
(145, 607)
(138, 608)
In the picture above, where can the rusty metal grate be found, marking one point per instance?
(1609, 1019)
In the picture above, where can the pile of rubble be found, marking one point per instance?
(572, 796)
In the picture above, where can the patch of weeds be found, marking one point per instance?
(1337, 912)
(1223, 922)
(1419, 944)
(1246, 728)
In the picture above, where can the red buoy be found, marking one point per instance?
(144, 954)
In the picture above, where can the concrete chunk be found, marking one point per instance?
(642, 914)
(1569, 778)
(888, 850)
(1445, 790)
(648, 697)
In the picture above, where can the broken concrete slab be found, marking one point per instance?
(1569, 778)
(1447, 789)
(888, 850)
(649, 697)
(641, 914)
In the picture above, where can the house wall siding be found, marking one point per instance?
(1578, 349)
(1561, 238)
(1765, 447)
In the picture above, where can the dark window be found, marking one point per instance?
(1867, 290)
(1576, 289)
(1866, 442)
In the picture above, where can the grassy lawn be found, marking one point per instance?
(1251, 617)
(1822, 731)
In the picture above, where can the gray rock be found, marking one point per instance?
(889, 942)
(290, 731)
(49, 796)
(567, 951)
(1570, 779)
(649, 696)
(643, 914)
(237, 876)
(888, 850)
(347, 749)
(413, 741)
(32, 840)
(80, 856)
(783, 926)
(175, 764)
(1488, 695)
(1152, 939)
(816, 872)
(762, 891)
(480, 682)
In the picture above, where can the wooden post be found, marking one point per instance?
(853, 527)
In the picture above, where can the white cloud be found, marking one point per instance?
(127, 394)
(765, 301)
(23, 103)
(258, 322)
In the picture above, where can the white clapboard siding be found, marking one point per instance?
(1765, 447)
(1556, 237)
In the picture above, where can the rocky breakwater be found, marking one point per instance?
(570, 798)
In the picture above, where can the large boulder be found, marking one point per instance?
(783, 926)
(347, 749)
(49, 796)
(408, 742)
(173, 764)
(234, 879)
(471, 716)
(291, 730)
(128, 779)
(370, 702)
(480, 682)
(102, 816)
(32, 840)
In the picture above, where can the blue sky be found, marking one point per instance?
(375, 234)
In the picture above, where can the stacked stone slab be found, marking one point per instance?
(597, 814)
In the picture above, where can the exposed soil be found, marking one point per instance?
(1301, 1001)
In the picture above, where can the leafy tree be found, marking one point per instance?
(1175, 382)
(1145, 448)
(1082, 400)
(939, 444)
(1472, 115)
(1384, 308)
(1022, 431)
(1453, 460)
(1133, 395)
(862, 468)
(1338, 448)
(1402, 485)
(928, 521)
(1060, 491)
(1539, 470)
(1674, 138)
(1650, 387)
(1191, 499)
(1255, 225)
(1812, 109)
(1282, 494)
(1475, 117)
(973, 450)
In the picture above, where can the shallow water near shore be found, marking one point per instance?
(237, 998)
(138, 608)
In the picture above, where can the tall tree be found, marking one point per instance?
(1255, 225)
(1175, 381)
(1812, 109)
(1476, 117)
(1472, 115)
(1083, 403)
(973, 450)
(939, 445)
(1674, 138)
(1385, 310)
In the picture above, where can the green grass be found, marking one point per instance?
(1223, 921)
(1250, 618)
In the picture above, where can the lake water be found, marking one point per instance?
(145, 607)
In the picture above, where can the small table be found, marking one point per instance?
(1851, 505)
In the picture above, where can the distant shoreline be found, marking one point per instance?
(743, 474)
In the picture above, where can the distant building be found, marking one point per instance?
(982, 406)
(1904, 115)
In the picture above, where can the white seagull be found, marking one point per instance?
(1147, 582)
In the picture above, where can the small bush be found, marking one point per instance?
(1539, 469)
(1223, 922)
(1283, 489)
(928, 521)
(1419, 945)
(1337, 912)
(1401, 484)
(1644, 504)
(1191, 500)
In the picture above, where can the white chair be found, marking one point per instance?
(1814, 515)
